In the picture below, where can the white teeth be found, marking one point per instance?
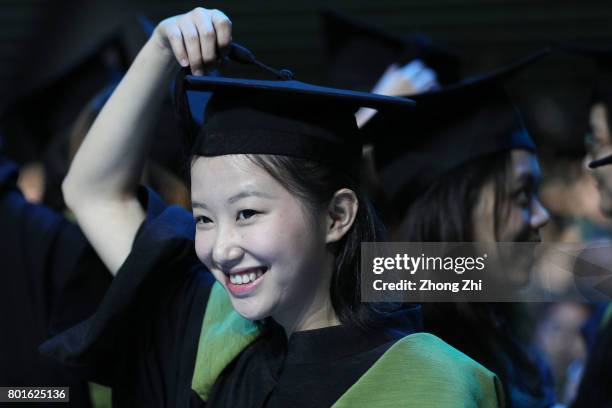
(241, 279)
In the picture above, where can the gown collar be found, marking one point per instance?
(346, 340)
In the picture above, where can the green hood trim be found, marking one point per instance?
(423, 371)
(223, 336)
(419, 370)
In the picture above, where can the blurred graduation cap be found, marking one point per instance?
(448, 127)
(282, 117)
(77, 63)
(602, 85)
(77, 82)
(358, 53)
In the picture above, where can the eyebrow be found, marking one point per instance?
(235, 197)
(248, 193)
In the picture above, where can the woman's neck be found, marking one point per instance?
(321, 318)
(315, 310)
(317, 313)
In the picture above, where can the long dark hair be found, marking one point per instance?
(315, 184)
(491, 333)
(444, 213)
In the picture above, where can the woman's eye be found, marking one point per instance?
(200, 219)
(246, 214)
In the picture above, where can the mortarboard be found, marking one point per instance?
(359, 52)
(283, 117)
(448, 127)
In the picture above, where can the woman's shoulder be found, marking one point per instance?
(424, 370)
(163, 222)
(440, 357)
(161, 278)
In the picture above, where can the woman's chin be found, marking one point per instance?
(249, 312)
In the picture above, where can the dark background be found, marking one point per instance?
(39, 38)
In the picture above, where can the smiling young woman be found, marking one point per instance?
(254, 299)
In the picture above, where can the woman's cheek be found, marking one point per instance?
(203, 247)
(263, 240)
(516, 223)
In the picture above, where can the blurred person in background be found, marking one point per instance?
(50, 279)
(594, 389)
(461, 168)
(558, 335)
(53, 275)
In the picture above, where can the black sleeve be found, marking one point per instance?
(594, 389)
(50, 278)
(47, 260)
(142, 334)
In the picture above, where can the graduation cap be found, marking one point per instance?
(359, 52)
(602, 86)
(283, 117)
(448, 127)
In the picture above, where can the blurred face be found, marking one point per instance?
(258, 240)
(598, 146)
(522, 214)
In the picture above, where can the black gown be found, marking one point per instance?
(143, 340)
(50, 279)
(594, 389)
(527, 379)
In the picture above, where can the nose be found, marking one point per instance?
(226, 251)
(539, 215)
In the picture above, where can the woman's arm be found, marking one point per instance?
(100, 187)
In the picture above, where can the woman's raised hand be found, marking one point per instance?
(100, 189)
(197, 39)
(411, 79)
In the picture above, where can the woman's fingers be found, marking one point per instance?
(172, 33)
(420, 77)
(412, 68)
(223, 28)
(191, 39)
(197, 38)
(424, 80)
(202, 20)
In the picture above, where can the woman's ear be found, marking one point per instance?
(341, 214)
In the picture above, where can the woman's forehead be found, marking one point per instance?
(525, 164)
(227, 176)
(238, 166)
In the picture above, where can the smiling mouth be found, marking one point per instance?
(247, 276)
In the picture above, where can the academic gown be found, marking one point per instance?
(594, 389)
(166, 336)
(50, 279)
(526, 377)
